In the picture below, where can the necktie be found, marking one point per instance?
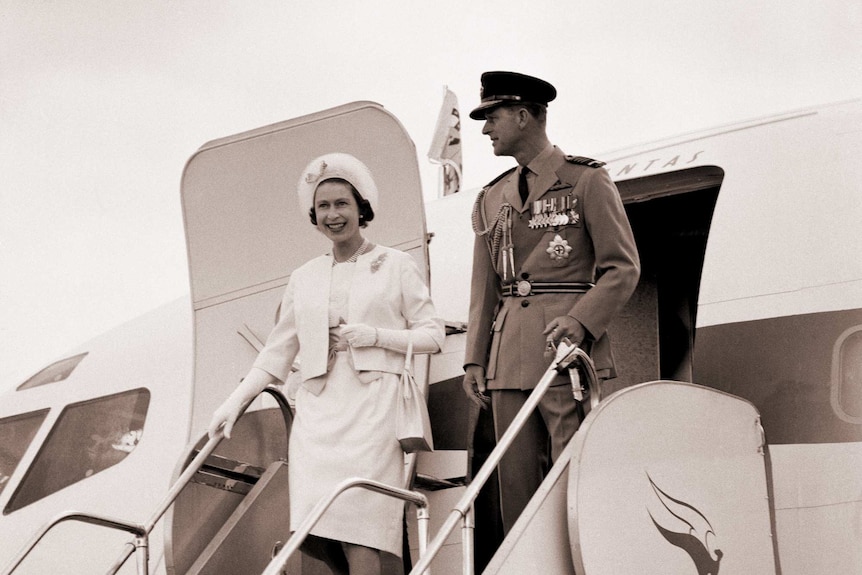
(523, 190)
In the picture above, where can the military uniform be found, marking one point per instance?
(568, 250)
(591, 243)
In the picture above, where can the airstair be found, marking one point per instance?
(251, 484)
(662, 477)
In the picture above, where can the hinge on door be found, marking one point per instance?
(761, 448)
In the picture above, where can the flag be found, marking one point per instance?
(446, 145)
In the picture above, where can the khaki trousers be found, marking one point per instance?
(544, 436)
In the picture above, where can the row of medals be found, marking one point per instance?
(554, 212)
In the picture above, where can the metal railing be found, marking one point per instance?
(565, 358)
(140, 545)
(278, 563)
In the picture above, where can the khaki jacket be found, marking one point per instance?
(595, 245)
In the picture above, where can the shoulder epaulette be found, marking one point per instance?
(584, 161)
(498, 178)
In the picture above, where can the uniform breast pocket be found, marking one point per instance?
(558, 207)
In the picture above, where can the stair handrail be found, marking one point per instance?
(140, 546)
(100, 520)
(195, 465)
(277, 564)
(418, 499)
(567, 354)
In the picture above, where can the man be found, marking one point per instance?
(554, 257)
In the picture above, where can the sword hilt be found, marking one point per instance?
(564, 361)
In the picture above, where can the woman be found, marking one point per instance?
(350, 316)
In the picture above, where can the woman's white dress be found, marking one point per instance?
(348, 430)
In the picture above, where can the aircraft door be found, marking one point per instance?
(671, 217)
(246, 233)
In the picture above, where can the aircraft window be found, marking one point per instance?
(16, 433)
(88, 437)
(57, 371)
(847, 376)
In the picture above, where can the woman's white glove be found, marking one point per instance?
(229, 411)
(399, 339)
(226, 415)
(359, 334)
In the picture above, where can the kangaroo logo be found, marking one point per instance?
(685, 527)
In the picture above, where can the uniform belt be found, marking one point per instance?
(524, 288)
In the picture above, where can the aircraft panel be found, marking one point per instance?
(785, 367)
(244, 228)
(668, 477)
(246, 235)
(780, 228)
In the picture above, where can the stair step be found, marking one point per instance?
(228, 474)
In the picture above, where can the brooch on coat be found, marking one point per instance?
(558, 248)
(377, 262)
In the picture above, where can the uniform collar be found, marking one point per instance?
(543, 175)
(544, 169)
(544, 161)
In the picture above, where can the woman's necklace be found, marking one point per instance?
(363, 247)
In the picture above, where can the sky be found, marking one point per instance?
(102, 103)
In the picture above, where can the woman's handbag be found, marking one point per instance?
(412, 424)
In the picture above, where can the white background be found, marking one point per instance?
(101, 104)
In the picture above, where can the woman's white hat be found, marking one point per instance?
(336, 165)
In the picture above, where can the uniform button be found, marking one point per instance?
(525, 303)
(525, 276)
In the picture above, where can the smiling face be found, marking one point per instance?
(337, 212)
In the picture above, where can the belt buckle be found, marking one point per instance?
(524, 288)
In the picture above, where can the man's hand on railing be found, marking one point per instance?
(564, 327)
